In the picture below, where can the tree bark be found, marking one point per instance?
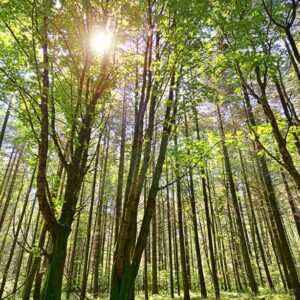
(245, 252)
(4, 125)
(279, 232)
(184, 272)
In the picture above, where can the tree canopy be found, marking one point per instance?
(149, 148)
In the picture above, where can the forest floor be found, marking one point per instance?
(196, 296)
(224, 296)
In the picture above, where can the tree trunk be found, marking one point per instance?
(125, 269)
(154, 256)
(89, 227)
(279, 232)
(34, 267)
(2, 132)
(11, 187)
(294, 63)
(293, 205)
(120, 171)
(241, 232)
(12, 250)
(53, 283)
(98, 229)
(185, 280)
(170, 240)
(255, 224)
(292, 43)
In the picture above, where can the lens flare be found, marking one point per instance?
(101, 41)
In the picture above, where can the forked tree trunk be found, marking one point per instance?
(125, 269)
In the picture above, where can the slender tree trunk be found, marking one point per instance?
(210, 240)
(146, 288)
(185, 280)
(294, 208)
(294, 63)
(292, 44)
(281, 240)
(34, 266)
(11, 188)
(170, 242)
(245, 252)
(154, 255)
(89, 227)
(175, 245)
(121, 171)
(287, 113)
(4, 124)
(21, 251)
(97, 238)
(7, 173)
(255, 224)
(125, 269)
(12, 250)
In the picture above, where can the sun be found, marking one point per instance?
(101, 41)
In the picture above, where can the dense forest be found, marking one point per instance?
(149, 149)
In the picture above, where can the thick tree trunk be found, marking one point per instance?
(53, 283)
